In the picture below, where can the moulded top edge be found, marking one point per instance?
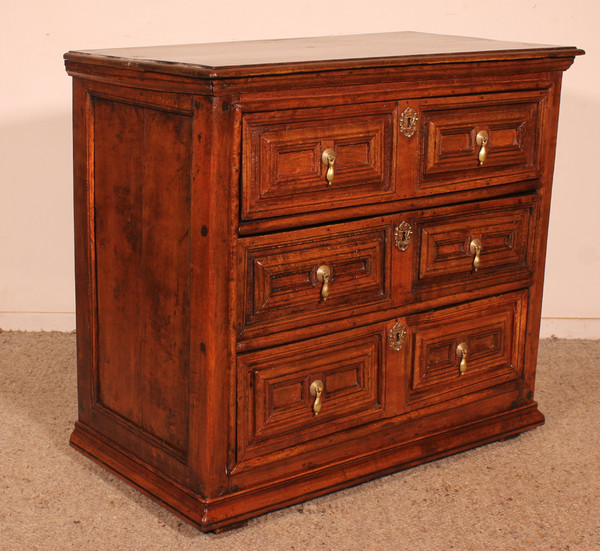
(228, 59)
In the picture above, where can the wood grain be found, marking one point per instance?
(142, 254)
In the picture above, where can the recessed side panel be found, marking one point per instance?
(142, 251)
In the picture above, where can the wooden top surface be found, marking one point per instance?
(223, 59)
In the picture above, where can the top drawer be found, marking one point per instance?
(299, 161)
(284, 169)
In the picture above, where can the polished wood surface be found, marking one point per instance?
(260, 56)
(207, 215)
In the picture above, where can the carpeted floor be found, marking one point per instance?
(540, 491)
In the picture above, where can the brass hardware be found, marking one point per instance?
(328, 158)
(316, 390)
(396, 336)
(408, 122)
(461, 351)
(475, 249)
(482, 139)
(323, 276)
(403, 235)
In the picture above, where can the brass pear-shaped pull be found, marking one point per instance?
(475, 249)
(316, 390)
(328, 158)
(482, 139)
(323, 276)
(461, 351)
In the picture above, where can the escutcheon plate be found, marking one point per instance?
(402, 235)
(396, 336)
(408, 122)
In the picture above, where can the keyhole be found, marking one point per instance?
(397, 336)
(409, 121)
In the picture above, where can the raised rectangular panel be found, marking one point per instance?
(275, 407)
(514, 130)
(283, 170)
(505, 229)
(281, 281)
(493, 331)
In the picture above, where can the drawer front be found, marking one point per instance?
(486, 337)
(474, 245)
(276, 409)
(283, 167)
(285, 287)
(382, 263)
(474, 142)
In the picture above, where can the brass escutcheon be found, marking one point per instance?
(408, 122)
(402, 235)
(396, 336)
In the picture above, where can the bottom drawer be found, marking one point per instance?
(276, 407)
(384, 372)
(457, 350)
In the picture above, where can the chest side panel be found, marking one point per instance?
(141, 214)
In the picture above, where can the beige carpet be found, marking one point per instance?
(540, 491)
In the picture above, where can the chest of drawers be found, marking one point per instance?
(302, 264)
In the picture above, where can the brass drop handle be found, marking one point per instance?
(316, 390)
(475, 249)
(482, 139)
(461, 351)
(323, 276)
(328, 159)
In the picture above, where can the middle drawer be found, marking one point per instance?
(314, 276)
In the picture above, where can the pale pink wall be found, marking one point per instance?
(36, 264)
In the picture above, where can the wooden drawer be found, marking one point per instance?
(283, 169)
(371, 270)
(492, 331)
(275, 407)
(451, 156)
(281, 283)
(497, 237)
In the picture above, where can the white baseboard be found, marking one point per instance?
(37, 321)
(570, 328)
(563, 328)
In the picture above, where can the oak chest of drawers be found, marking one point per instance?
(302, 264)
